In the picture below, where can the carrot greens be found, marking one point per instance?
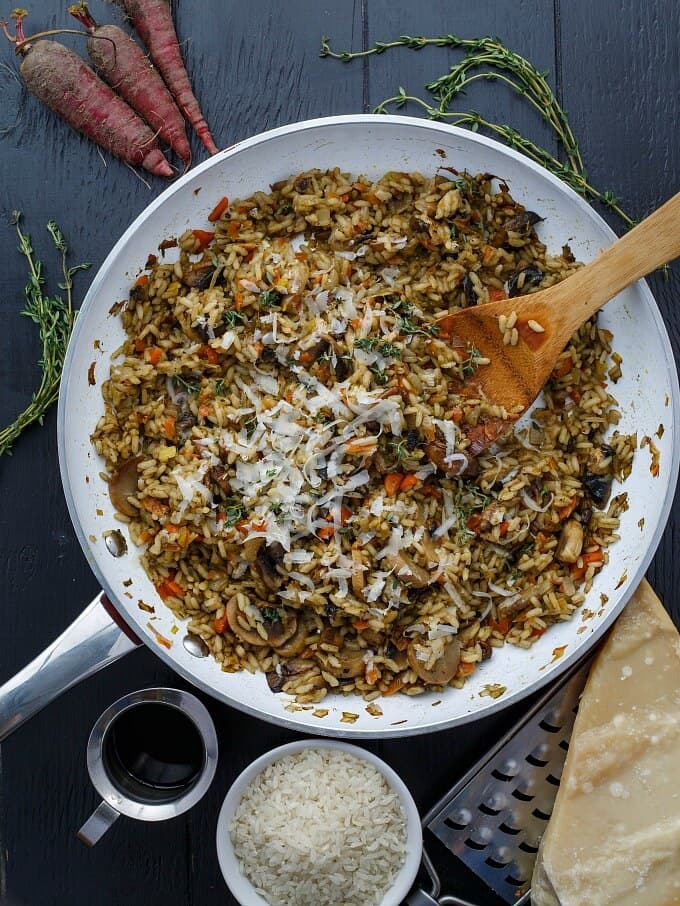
(54, 316)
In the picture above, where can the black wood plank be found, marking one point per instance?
(622, 113)
(255, 67)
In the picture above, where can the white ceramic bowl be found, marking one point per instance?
(237, 882)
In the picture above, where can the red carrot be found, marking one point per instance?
(66, 84)
(153, 22)
(127, 69)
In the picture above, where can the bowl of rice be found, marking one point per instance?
(319, 822)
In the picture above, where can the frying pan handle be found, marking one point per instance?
(96, 638)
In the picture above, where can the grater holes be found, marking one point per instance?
(475, 844)
(552, 779)
(523, 797)
(515, 882)
(458, 820)
(501, 857)
(549, 727)
(544, 816)
(507, 829)
(527, 847)
(540, 756)
(487, 810)
(564, 744)
(506, 770)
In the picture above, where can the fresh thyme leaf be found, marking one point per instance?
(488, 59)
(471, 363)
(55, 317)
(390, 351)
(191, 387)
(380, 377)
(270, 298)
(232, 318)
(365, 343)
(270, 614)
(235, 513)
(219, 387)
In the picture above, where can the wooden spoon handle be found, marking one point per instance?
(653, 242)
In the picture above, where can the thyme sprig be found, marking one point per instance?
(55, 317)
(487, 58)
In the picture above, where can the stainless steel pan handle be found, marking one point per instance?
(95, 638)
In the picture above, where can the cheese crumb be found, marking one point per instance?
(618, 791)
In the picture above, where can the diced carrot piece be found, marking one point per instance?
(210, 354)
(575, 395)
(169, 588)
(496, 294)
(410, 481)
(204, 238)
(140, 344)
(171, 528)
(142, 280)
(372, 675)
(457, 415)
(393, 482)
(474, 522)
(345, 515)
(593, 557)
(466, 668)
(220, 623)
(501, 626)
(238, 299)
(503, 528)
(429, 490)
(218, 210)
(153, 354)
(566, 511)
(169, 427)
(326, 532)
(234, 229)
(394, 686)
(563, 367)
(360, 624)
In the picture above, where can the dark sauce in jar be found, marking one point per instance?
(153, 751)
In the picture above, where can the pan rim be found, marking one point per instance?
(495, 706)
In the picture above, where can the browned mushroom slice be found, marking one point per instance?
(265, 566)
(276, 679)
(237, 620)
(351, 661)
(198, 274)
(251, 549)
(123, 484)
(296, 643)
(407, 571)
(442, 670)
(278, 625)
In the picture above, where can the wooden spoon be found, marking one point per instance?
(516, 374)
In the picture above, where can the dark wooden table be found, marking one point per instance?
(615, 65)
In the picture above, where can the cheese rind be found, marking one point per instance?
(614, 834)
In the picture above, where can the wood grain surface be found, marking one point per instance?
(616, 67)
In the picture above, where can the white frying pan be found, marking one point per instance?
(647, 393)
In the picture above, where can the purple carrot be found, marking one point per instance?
(153, 21)
(66, 84)
(127, 69)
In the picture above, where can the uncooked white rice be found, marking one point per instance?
(319, 828)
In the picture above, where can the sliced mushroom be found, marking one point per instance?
(571, 542)
(352, 664)
(251, 548)
(219, 475)
(407, 571)
(198, 275)
(444, 668)
(277, 631)
(436, 453)
(265, 565)
(296, 643)
(123, 484)
(277, 680)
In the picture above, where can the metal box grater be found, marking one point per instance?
(494, 817)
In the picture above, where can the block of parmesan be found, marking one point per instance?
(614, 834)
